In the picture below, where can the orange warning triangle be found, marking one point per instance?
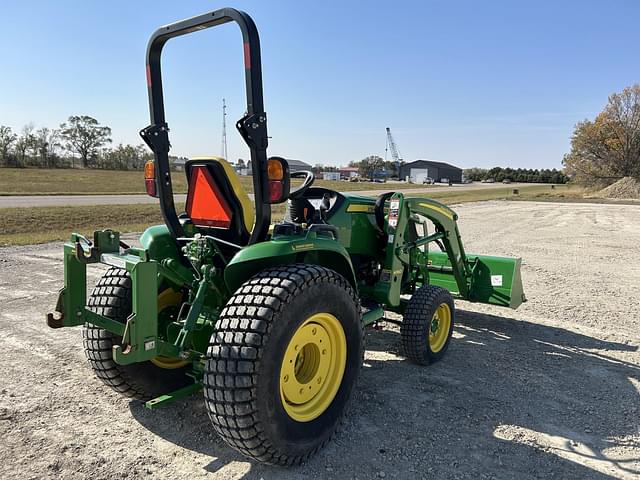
(205, 204)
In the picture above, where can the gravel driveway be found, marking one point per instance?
(551, 390)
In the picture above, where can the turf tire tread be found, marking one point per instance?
(234, 356)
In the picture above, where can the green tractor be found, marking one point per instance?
(267, 320)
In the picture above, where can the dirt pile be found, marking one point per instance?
(627, 187)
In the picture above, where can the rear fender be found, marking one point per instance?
(161, 247)
(317, 251)
(159, 243)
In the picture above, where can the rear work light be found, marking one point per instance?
(150, 178)
(278, 176)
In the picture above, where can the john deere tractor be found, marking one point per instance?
(266, 319)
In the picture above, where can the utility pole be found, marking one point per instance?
(224, 131)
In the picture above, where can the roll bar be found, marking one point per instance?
(252, 126)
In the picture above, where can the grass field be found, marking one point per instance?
(451, 196)
(34, 181)
(23, 226)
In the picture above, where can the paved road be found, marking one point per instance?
(65, 200)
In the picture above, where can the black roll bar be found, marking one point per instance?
(252, 126)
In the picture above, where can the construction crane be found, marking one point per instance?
(395, 154)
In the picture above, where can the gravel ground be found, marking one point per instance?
(550, 390)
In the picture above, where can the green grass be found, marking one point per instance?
(24, 226)
(526, 192)
(38, 181)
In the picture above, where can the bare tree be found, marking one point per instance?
(125, 157)
(47, 141)
(85, 136)
(7, 138)
(23, 144)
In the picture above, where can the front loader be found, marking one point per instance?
(266, 319)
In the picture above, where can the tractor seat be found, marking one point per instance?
(217, 203)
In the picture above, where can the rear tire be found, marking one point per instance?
(111, 297)
(427, 324)
(250, 366)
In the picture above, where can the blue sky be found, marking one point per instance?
(467, 82)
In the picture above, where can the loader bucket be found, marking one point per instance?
(494, 280)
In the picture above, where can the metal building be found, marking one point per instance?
(419, 170)
(298, 165)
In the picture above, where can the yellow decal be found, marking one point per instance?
(437, 209)
(303, 246)
(360, 208)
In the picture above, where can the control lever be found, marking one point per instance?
(325, 205)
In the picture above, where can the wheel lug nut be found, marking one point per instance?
(301, 391)
(286, 378)
(324, 352)
(313, 331)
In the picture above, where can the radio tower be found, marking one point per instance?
(224, 130)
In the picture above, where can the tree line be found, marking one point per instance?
(602, 150)
(373, 165)
(81, 141)
(523, 175)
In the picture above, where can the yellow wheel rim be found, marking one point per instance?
(439, 327)
(312, 367)
(168, 298)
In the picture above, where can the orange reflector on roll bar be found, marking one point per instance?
(150, 178)
(149, 169)
(275, 170)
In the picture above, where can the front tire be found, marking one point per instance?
(427, 324)
(283, 362)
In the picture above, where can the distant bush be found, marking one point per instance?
(522, 175)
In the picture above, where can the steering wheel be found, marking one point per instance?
(309, 177)
(379, 210)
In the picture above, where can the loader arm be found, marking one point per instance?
(400, 251)
(477, 278)
(445, 221)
